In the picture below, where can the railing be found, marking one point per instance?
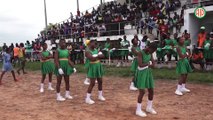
(116, 28)
(191, 4)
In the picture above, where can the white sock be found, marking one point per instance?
(88, 95)
(183, 85)
(50, 84)
(67, 93)
(179, 87)
(42, 85)
(100, 93)
(149, 104)
(132, 84)
(58, 95)
(138, 107)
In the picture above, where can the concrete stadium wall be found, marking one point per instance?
(193, 24)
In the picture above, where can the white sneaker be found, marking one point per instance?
(178, 92)
(151, 110)
(60, 98)
(89, 101)
(132, 87)
(101, 98)
(68, 97)
(86, 82)
(184, 90)
(41, 90)
(140, 113)
(51, 88)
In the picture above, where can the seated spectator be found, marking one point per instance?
(197, 58)
(208, 49)
(102, 30)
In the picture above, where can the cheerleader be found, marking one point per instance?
(95, 71)
(86, 81)
(144, 78)
(135, 49)
(183, 67)
(64, 68)
(47, 67)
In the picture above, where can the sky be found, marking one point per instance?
(22, 20)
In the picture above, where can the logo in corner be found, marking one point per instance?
(200, 12)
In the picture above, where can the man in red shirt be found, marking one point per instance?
(201, 37)
(163, 31)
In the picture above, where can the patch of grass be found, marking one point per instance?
(163, 74)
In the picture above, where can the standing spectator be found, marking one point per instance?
(170, 24)
(151, 25)
(186, 35)
(201, 37)
(4, 47)
(37, 50)
(15, 53)
(11, 48)
(141, 26)
(163, 30)
(124, 53)
(144, 42)
(144, 7)
(22, 59)
(176, 19)
(28, 50)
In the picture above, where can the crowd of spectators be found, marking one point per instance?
(144, 14)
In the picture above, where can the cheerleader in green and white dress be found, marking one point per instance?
(47, 67)
(183, 67)
(86, 65)
(144, 78)
(95, 71)
(64, 68)
(135, 49)
(168, 48)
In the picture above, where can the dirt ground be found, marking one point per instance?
(22, 101)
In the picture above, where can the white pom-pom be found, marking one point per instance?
(95, 55)
(60, 71)
(150, 62)
(74, 70)
(100, 53)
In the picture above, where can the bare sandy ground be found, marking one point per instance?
(22, 101)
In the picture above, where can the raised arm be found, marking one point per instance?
(134, 50)
(90, 57)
